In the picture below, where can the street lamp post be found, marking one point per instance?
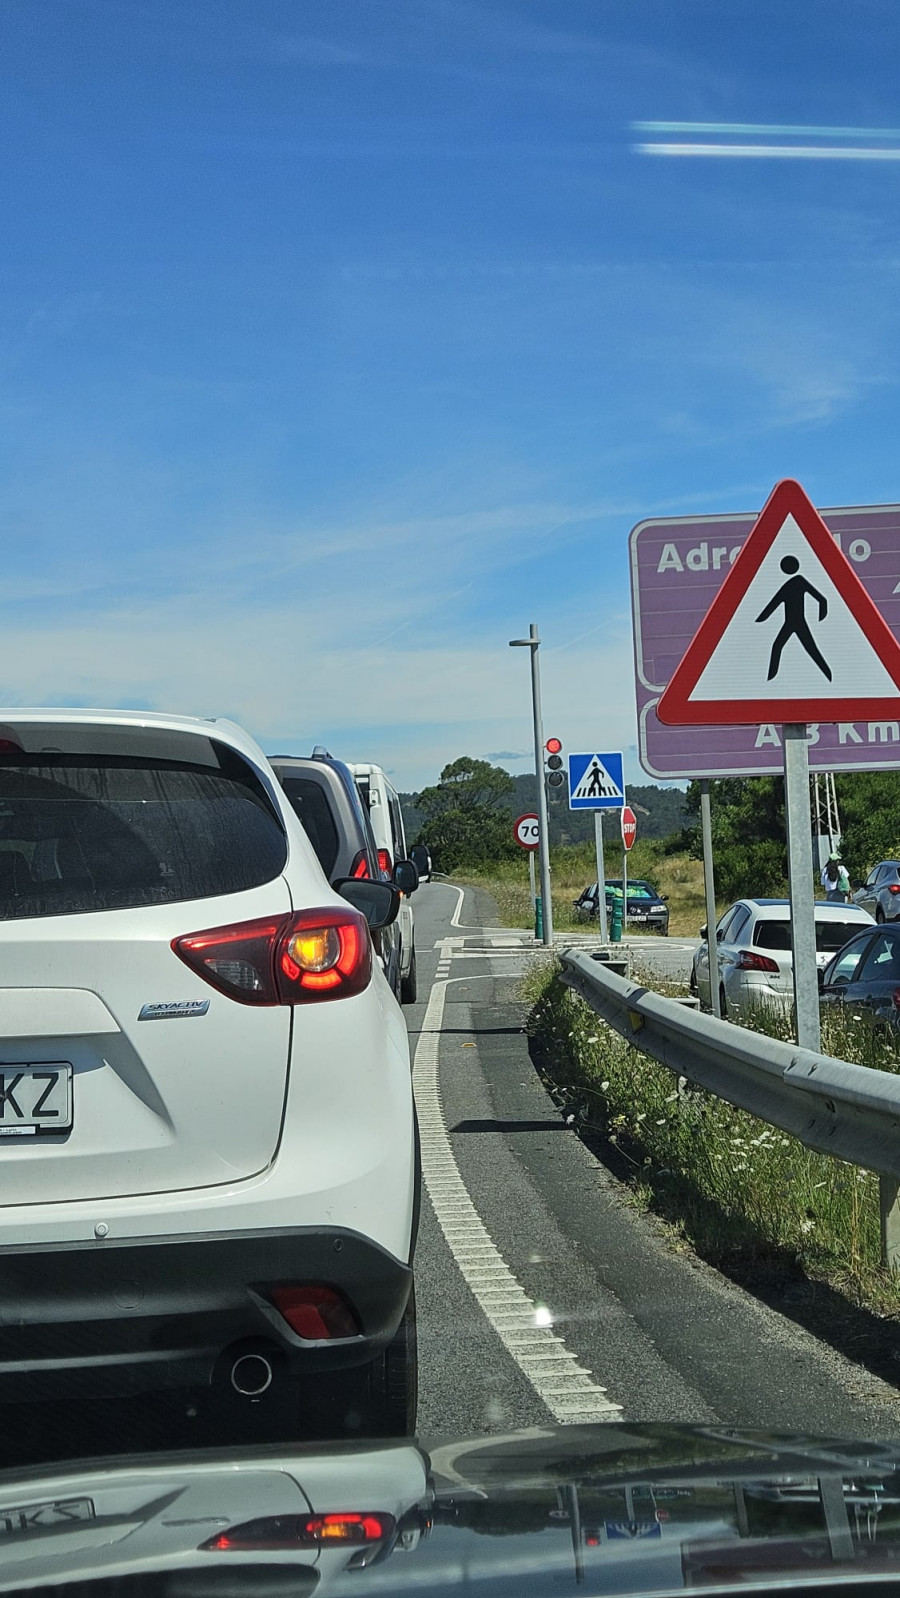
(533, 643)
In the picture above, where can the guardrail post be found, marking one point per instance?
(888, 1187)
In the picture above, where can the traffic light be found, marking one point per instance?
(553, 763)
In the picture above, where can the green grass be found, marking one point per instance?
(733, 1187)
(573, 867)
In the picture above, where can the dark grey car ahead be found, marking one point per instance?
(865, 976)
(324, 795)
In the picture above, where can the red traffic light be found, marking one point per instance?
(553, 746)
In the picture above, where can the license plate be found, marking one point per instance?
(35, 1098)
(36, 1517)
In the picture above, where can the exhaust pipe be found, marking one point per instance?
(251, 1375)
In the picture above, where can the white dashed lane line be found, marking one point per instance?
(568, 1391)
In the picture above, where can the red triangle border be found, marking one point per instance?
(675, 708)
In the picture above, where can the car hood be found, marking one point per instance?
(612, 1509)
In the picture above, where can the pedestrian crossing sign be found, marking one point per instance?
(596, 782)
(792, 635)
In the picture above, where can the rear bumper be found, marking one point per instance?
(762, 997)
(141, 1315)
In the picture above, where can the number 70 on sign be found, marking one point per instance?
(527, 832)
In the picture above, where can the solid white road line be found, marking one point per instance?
(566, 1389)
(454, 919)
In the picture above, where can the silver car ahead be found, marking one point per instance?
(755, 959)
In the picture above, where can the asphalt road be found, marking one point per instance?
(543, 1294)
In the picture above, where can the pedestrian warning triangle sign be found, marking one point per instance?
(791, 636)
(596, 783)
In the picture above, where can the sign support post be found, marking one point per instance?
(533, 643)
(800, 884)
(624, 879)
(709, 884)
(601, 877)
(597, 782)
(527, 833)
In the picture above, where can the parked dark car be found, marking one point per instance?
(646, 906)
(325, 797)
(880, 893)
(865, 976)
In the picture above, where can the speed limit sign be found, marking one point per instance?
(527, 832)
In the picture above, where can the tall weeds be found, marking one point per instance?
(730, 1184)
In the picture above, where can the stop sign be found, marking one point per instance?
(629, 826)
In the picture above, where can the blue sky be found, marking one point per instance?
(340, 339)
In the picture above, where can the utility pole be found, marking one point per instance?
(533, 643)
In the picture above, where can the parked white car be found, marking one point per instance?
(386, 815)
(208, 1159)
(754, 947)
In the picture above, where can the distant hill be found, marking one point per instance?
(659, 812)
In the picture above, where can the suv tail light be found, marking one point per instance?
(287, 959)
(385, 862)
(748, 961)
(894, 887)
(360, 866)
(279, 1532)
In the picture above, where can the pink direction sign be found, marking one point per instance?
(677, 568)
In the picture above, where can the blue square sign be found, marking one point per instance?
(596, 782)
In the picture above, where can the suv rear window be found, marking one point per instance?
(81, 832)
(311, 805)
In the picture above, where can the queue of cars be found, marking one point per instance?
(857, 953)
(210, 1166)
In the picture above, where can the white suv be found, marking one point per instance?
(208, 1167)
(386, 815)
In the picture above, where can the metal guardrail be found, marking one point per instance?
(829, 1105)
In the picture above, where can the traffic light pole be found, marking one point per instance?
(533, 643)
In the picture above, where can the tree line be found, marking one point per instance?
(465, 819)
(749, 837)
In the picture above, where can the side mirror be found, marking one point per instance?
(405, 876)
(821, 977)
(664, 897)
(421, 859)
(379, 902)
(704, 932)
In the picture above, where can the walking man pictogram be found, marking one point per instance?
(792, 595)
(595, 786)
